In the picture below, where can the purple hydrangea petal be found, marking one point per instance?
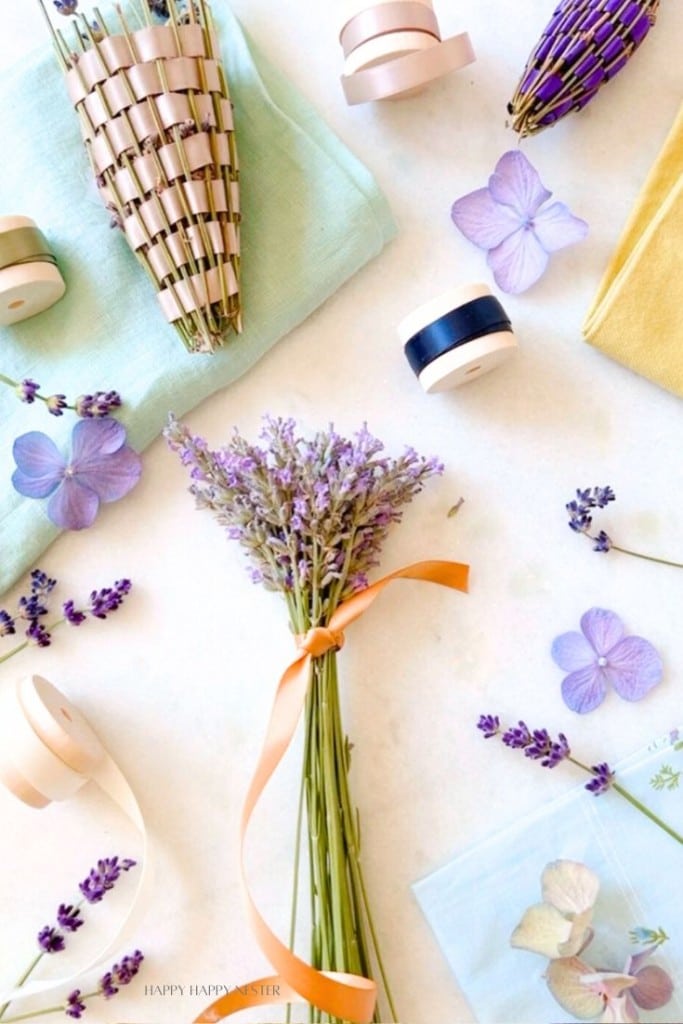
(556, 226)
(92, 438)
(40, 465)
(634, 667)
(584, 690)
(516, 183)
(110, 476)
(602, 629)
(654, 987)
(571, 651)
(483, 221)
(73, 506)
(518, 261)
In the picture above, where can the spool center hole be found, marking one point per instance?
(17, 304)
(66, 714)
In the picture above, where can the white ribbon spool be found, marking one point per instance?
(48, 751)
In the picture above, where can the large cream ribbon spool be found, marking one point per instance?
(395, 48)
(30, 281)
(48, 752)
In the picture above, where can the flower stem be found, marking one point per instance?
(643, 808)
(647, 558)
(29, 970)
(22, 646)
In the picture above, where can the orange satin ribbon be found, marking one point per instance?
(347, 996)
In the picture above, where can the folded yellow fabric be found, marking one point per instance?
(637, 314)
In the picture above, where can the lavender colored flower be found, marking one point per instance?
(66, 6)
(50, 940)
(97, 405)
(27, 390)
(489, 725)
(56, 404)
(102, 468)
(41, 583)
(75, 1007)
(103, 877)
(309, 512)
(7, 623)
(604, 777)
(38, 635)
(602, 655)
(104, 602)
(73, 615)
(68, 917)
(510, 221)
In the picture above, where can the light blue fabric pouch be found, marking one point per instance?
(475, 901)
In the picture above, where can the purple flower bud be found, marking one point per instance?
(489, 725)
(27, 390)
(75, 1007)
(604, 777)
(38, 635)
(72, 614)
(103, 877)
(7, 625)
(50, 940)
(68, 917)
(56, 404)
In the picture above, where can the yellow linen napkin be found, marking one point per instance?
(637, 314)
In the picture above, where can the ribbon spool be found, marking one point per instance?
(30, 280)
(395, 48)
(48, 751)
(460, 335)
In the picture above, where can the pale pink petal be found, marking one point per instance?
(620, 1010)
(72, 506)
(569, 886)
(555, 227)
(603, 629)
(564, 981)
(543, 929)
(634, 667)
(571, 651)
(516, 183)
(483, 221)
(585, 689)
(518, 261)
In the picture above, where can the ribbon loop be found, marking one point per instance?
(319, 640)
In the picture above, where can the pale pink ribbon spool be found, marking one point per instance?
(48, 752)
(395, 48)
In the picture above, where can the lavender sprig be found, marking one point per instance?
(580, 521)
(34, 606)
(52, 939)
(539, 745)
(94, 406)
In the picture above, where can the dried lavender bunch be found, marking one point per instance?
(584, 45)
(312, 515)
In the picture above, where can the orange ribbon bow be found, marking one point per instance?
(347, 996)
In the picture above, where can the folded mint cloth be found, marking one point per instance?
(474, 902)
(312, 216)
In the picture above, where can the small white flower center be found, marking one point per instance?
(69, 470)
(602, 661)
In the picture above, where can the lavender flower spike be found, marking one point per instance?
(509, 219)
(75, 1007)
(102, 468)
(103, 877)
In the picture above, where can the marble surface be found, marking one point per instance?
(179, 682)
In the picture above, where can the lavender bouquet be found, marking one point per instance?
(312, 515)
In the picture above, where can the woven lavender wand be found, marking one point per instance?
(585, 43)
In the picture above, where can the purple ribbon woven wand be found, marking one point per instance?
(585, 43)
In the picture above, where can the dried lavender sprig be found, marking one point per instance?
(52, 939)
(34, 606)
(117, 977)
(580, 521)
(539, 745)
(94, 406)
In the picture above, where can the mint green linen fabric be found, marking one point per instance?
(312, 217)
